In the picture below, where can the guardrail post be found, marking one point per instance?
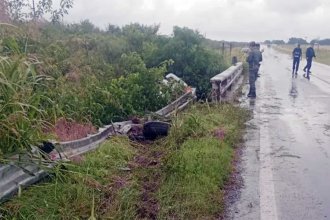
(215, 91)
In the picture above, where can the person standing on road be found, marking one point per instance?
(253, 61)
(296, 56)
(310, 54)
(259, 53)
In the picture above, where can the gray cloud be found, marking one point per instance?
(292, 7)
(218, 19)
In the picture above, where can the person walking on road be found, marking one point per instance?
(310, 54)
(259, 53)
(296, 56)
(253, 61)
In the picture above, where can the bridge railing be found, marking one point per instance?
(223, 82)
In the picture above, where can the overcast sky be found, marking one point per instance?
(236, 20)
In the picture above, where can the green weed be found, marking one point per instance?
(198, 167)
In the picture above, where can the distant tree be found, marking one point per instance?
(20, 10)
(267, 42)
(321, 42)
(297, 40)
(4, 16)
(57, 14)
(136, 34)
(278, 42)
(325, 42)
(193, 61)
(315, 41)
(86, 26)
(190, 37)
(113, 29)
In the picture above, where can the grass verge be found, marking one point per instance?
(180, 177)
(197, 169)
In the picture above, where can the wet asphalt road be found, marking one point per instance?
(286, 163)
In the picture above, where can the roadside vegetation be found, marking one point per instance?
(179, 177)
(57, 79)
(51, 72)
(322, 52)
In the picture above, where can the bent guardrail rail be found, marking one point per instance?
(178, 104)
(25, 172)
(13, 177)
(222, 82)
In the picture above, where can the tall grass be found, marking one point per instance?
(21, 116)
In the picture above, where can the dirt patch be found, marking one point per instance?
(78, 159)
(110, 191)
(66, 130)
(219, 133)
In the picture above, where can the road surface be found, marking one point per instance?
(286, 162)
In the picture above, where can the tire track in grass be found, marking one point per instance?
(147, 164)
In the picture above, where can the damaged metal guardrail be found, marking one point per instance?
(23, 173)
(223, 82)
(13, 177)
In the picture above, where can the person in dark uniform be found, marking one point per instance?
(310, 54)
(253, 61)
(296, 56)
(260, 59)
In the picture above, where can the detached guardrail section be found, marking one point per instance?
(223, 82)
(25, 172)
(12, 177)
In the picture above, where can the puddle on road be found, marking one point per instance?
(289, 155)
(327, 130)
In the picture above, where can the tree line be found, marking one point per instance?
(297, 40)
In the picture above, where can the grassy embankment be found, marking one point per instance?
(180, 177)
(322, 52)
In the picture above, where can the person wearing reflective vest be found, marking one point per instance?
(296, 56)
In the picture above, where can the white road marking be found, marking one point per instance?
(268, 210)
